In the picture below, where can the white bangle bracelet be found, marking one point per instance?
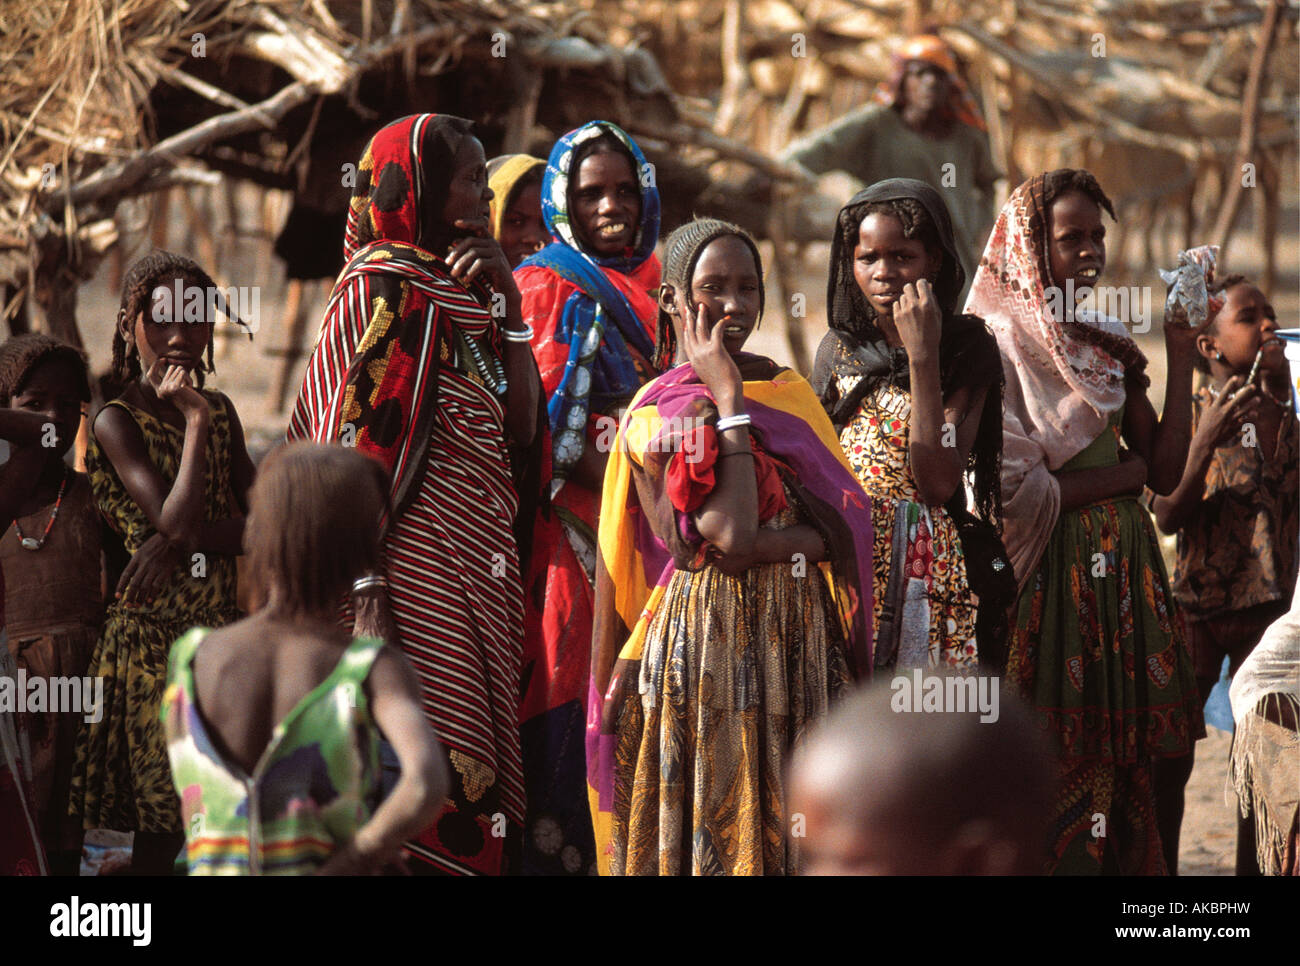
(731, 422)
(518, 335)
(369, 582)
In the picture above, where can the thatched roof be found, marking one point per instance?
(109, 99)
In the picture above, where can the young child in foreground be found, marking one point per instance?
(280, 715)
(1236, 509)
(884, 792)
(53, 597)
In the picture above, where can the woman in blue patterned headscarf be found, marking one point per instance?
(591, 299)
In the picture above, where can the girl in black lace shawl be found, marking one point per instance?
(915, 389)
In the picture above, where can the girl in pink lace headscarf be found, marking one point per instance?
(1095, 643)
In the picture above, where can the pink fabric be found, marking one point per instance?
(1060, 389)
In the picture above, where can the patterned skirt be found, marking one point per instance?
(122, 779)
(1098, 650)
(923, 610)
(733, 672)
(558, 835)
(453, 576)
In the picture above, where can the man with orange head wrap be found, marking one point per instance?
(923, 124)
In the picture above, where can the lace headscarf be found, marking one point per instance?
(1065, 376)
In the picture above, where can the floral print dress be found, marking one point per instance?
(924, 613)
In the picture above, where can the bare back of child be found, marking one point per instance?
(274, 722)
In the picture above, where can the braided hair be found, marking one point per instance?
(682, 253)
(1064, 180)
(917, 225)
(158, 267)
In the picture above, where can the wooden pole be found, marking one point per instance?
(1231, 205)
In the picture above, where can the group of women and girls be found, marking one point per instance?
(492, 632)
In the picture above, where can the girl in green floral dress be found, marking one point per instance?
(1096, 644)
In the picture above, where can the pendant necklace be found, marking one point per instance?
(31, 543)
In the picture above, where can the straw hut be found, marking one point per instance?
(111, 101)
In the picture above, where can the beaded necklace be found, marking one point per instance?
(493, 376)
(31, 543)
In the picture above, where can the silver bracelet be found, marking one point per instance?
(731, 422)
(369, 582)
(518, 335)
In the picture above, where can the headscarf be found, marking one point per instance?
(505, 176)
(404, 174)
(385, 403)
(929, 48)
(854, 346)
(1064, 376)
(584, 322)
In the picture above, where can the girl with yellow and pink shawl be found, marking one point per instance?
(710, 657)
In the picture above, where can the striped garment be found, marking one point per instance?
(407, 369)
(314, 786)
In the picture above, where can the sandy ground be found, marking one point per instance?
(246, 372)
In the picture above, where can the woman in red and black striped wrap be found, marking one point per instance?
(423, 362)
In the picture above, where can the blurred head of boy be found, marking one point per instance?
(882, 792)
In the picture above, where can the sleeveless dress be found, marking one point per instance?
(316, 783)
(121, 780)
(1097, 648)
(53, 605)
(734, 670)
(924, 614)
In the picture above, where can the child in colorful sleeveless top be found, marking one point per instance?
(52, 558)
(1096, 644)
(170, 473)
(273, 723)
(1237, 508)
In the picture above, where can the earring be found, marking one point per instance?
(1221, 357)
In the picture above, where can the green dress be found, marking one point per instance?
(316, 783)
(1098, 649)
(121, 780)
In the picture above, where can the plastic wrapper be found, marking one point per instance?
(1188, 284)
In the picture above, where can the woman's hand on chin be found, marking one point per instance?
(479, 254)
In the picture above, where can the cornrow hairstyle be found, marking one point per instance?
(23, 354)
(1218, 287)
(682, 253)
(1064, 180)
(155, 268)
(313, 525)
(912, 215)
